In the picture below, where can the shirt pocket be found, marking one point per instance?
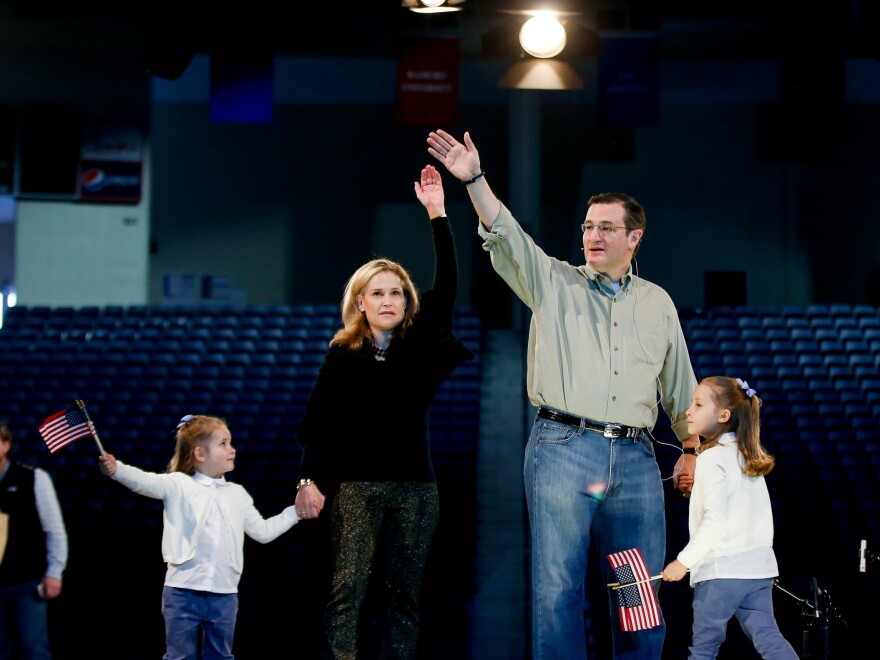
(648, 346)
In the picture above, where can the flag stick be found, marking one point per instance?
(616, 585)
(82, 406)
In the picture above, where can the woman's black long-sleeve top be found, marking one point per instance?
(367, 420)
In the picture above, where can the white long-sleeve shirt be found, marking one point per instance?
(189, 503)
(729, 518)
(52, 521)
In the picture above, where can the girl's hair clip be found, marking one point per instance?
(745, 386)
(186, 419)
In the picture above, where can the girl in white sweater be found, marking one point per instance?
(206, 518)
(730, 553)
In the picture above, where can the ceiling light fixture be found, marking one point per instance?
(541, 74)
(543, 35)
(432, 6)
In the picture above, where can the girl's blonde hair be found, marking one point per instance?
(744, 406)
(356, 331)
(192, 431)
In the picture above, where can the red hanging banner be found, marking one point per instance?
(427, 82)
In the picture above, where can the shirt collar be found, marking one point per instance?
(205, 480)
(727, 439)
(603, 282)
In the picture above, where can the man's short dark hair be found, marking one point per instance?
(633, 213)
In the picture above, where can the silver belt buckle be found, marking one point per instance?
(612, 431)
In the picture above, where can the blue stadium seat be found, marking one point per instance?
(776, 333)
(272, 333)
(264, 359)
(731, 347)
(701, 334)
(789, 372)
(831, 346)
(781, 346)
(730, 332)
(223, 334)
(871, 384)
(748, 321)
(852, 346)
(758, 346)
(836, 360)
(785, 359)
(196, 346)
(810, 360)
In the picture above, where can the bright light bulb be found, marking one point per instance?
(431, 6)
(542, 35)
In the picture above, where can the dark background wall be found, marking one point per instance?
(731, 181)
(759, 159)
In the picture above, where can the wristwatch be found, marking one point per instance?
(303, 483)
(685, 450)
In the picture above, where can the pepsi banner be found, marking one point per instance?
(110, 165)
(110, 181)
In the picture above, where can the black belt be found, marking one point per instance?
(608, 430)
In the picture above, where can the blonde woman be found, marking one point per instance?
(365, 437)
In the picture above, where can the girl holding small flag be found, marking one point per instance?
(206, 518)
(730, 553)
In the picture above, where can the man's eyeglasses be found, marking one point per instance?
(606, 230)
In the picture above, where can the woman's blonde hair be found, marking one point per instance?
(192, 431)
(356, 331)
(744, 406)
(5, 432)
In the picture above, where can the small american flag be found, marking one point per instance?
(637, 603)
(64, 427)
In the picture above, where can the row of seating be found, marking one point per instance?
(254, 366)
(817, 371)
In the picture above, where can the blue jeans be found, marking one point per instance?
(580, 484)
(751, 601)
(24, 622)
(192, 614)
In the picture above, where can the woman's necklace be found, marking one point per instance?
(379, 353)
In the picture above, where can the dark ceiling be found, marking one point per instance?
(167, 33)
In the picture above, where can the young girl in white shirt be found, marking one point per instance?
(730, 553)
(205, 520)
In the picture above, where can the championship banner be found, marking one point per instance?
(427, 81)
